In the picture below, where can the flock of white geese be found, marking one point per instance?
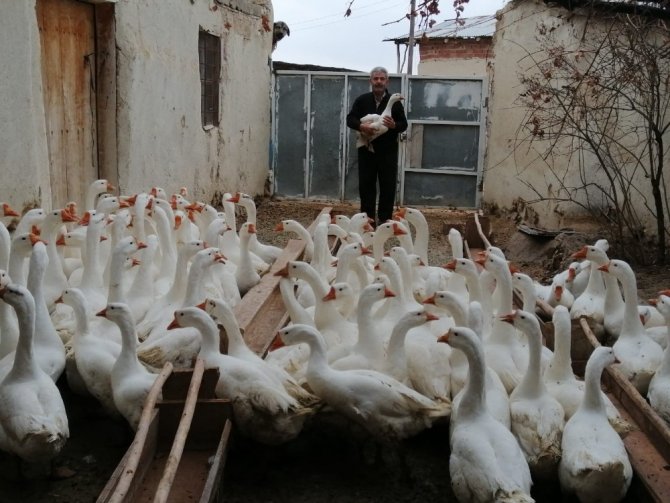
(377, 335)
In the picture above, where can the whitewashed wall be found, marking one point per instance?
(461, 67)
(160, 139)
(506, 167)
(24, 165)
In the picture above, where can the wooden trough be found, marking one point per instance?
(180, 447)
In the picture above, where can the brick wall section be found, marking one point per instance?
(448, 48)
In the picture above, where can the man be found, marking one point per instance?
(379, 163)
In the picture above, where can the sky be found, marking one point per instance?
(322, 35)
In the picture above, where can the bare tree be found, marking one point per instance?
(603, 105)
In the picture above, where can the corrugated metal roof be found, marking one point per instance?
(472, 27)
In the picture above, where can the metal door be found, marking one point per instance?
(443, 155)
(314, 153)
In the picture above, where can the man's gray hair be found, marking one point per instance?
(379, 69)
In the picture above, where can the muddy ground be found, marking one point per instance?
(325, 464)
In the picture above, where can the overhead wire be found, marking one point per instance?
(356, 15)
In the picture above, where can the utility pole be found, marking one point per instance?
(410, 59)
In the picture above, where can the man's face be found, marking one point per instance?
(378, 81)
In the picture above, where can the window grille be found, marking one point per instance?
(209, 50)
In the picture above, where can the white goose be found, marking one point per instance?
(505, 353)
(9, 327)
(21, 248)
(383, 233)
(245, 274)
(561, 381)
(659, 386)
(639, 355)
(131, 381)
(263, 408)
(368, 351)
(94, 357)
(55, 280)
(330, 322)
(96, 188)
(175, 296)
(421, 237)
(386, 408)
(591, 302)
(48, 348)
(221, 313)
(296, 227)
(395, 363)
(486, 464)
(30, 219)
(33, 421)
(376, 121)
(613, 304)
(537, 417)
(89, 279)
(182, 346)
(595, 463)
(268, 253)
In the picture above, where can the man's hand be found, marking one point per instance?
(366, 129)
(389, 122)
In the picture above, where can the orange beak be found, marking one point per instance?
(451, 265)
(558, 292)
(431, 317)
(430, 300)
(400, 213)
(444, 337)
(330, 295)
(251, 229)
(604, 268)
(276, 343)
(283, 272)
(8, 211)
(398, 231)
(388, 293)
(202, 305)
(66, 216)
(141, 244)
(581, 253)
(173, 324)
(280, 227)
(102, 312)
(34, 239)
(508, 318)
(86, 219)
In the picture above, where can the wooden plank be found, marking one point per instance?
(212, 484)
(472, 235)
(262, 305)
(262, 312)
(206, 426)
(175, 455)
(138, 447)
(176, 387)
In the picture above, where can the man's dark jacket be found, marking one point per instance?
(364, 105)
